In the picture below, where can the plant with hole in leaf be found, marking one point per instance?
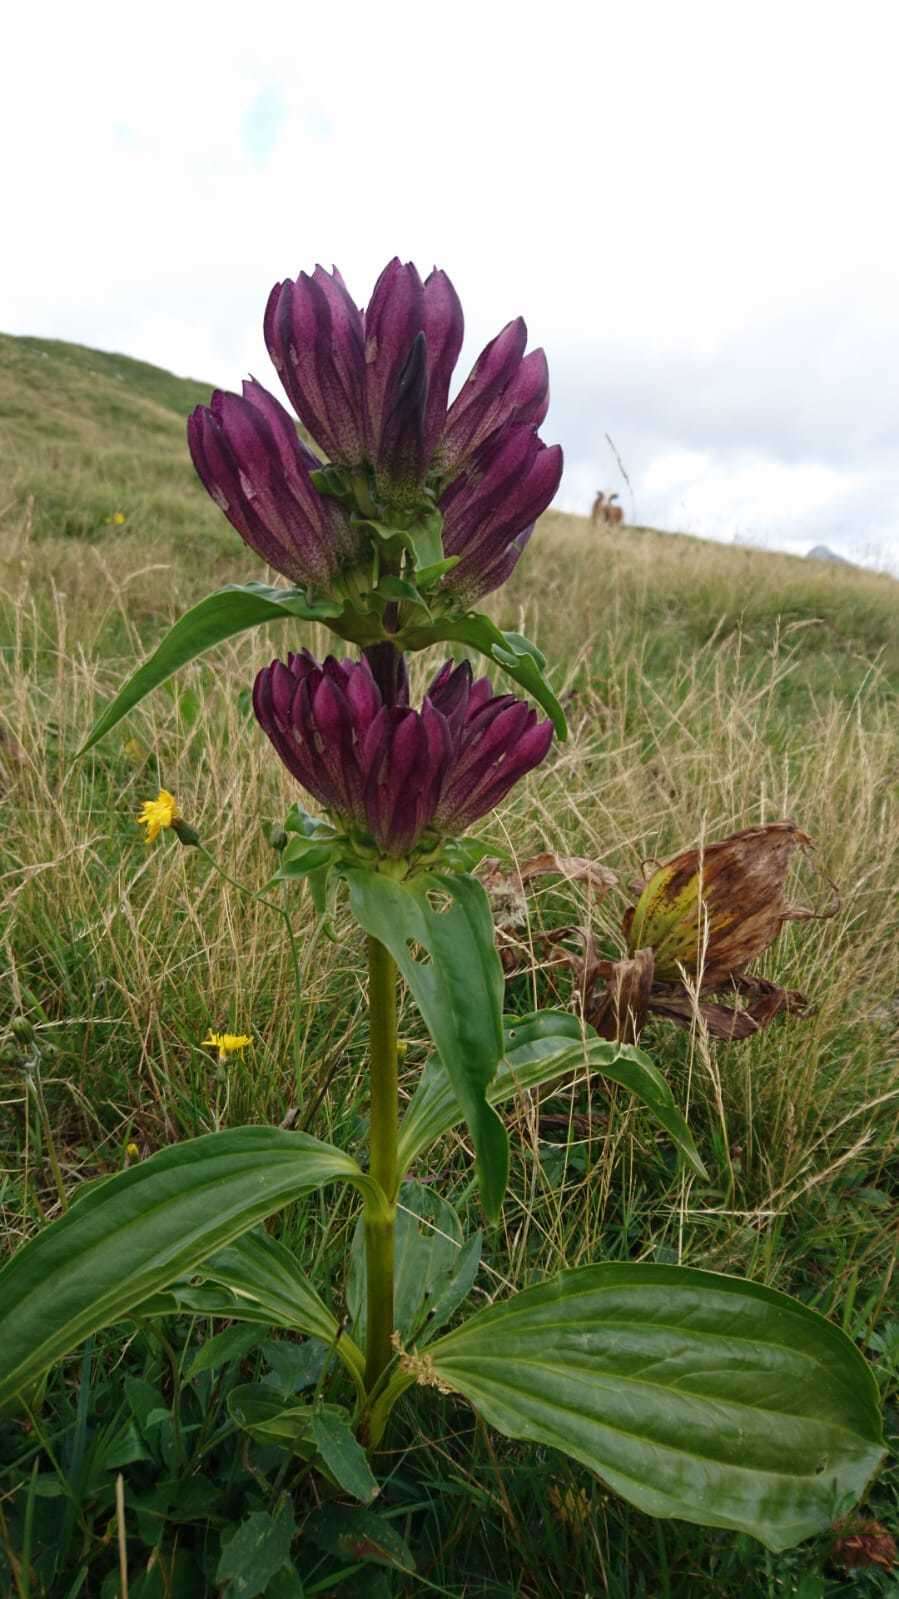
(691, 1393)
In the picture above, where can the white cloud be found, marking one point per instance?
(691, 204)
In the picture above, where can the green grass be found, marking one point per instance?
(708, 688)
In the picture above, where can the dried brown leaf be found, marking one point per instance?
(864, 1543)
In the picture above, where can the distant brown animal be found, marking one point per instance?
(606, 511)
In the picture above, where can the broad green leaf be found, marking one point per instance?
(293, 1367)
(342, 1453)
(315, 1432)
(538, 1049)
(517, 657)
(231, 610)
(256, 1553)
(691, 1394)
(434, 1267)
(263, 1271)
(232, 1344)
(257, 1279)
(143, 1229)
(260, 1410)
(458, 988)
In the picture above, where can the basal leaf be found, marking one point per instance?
(144, 1228)
(232, 610)
(458, 988)
(256, 1553)
(691, 1394)
(257, 1279)
(538, 1049)
(342, 1453)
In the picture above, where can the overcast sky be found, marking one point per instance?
(693, 205)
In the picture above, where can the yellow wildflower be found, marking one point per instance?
(118, 519)
(132, 1151)
(227, 1043)
(159, 813)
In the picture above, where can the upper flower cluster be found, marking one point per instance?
(348, 734)
(372, 389)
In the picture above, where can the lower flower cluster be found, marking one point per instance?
(349, 735)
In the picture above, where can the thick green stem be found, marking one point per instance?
(380, 1225)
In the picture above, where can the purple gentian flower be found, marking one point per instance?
(393, 772)
(373, 386)
(370, 387)
(489, 512)
(504, 388)
(252, 461)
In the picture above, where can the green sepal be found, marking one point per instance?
(426, 575)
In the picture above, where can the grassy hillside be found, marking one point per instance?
(708, 688)
(84, 435)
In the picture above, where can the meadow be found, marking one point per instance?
(708, 688)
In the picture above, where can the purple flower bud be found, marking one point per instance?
(444, 328)
(249, 456)
(371, 388)
(393, 320)
(489, 512)
(395, 772)
(401, 452)
(315, 337)
(505, 387)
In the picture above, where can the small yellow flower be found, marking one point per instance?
(132, 1151)
(159, 813)
(118, 519)
(227, 1043)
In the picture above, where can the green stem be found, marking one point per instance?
(384, 1130)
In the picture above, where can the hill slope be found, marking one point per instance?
(85, 434)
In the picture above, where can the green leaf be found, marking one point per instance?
(342, 1453)
(232, 610)
(691, 1394)
(256, 1553)
(292, 1366)
(285, 1584)
(458, 988)
(303, 856)
(397, 588)
(426, 575)
(314, 1432)
(539, 1048)
(232, 1344)
(144, 1228)
(299, 821)
(520, 659)
(262, 1271)
(434, 1268)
